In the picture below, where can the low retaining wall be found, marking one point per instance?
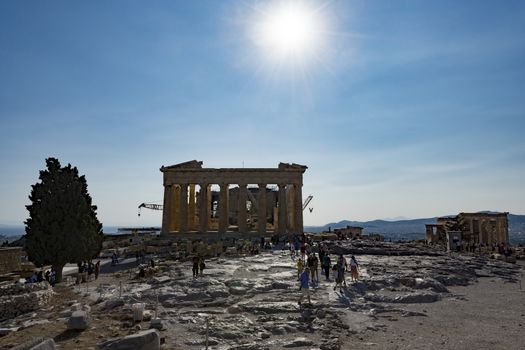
(17, 299)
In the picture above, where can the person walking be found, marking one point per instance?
(195, 266)
(339, 275)
(300, 267)
(305, 287)
(303, 251)
(292, 250)
(202, 265)
(97, 269)
(344, 266)
(326, 264)
(354, 274)
(315, 267)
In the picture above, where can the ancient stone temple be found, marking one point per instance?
(258, 200)
(475, 228)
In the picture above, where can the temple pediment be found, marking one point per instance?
(292, 166)
(192, 164)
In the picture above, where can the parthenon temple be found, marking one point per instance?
(223, 200)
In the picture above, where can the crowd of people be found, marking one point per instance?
(198, 266)
(308, 264)
(40, 276)
(86, 269)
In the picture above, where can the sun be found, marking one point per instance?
(289, 31)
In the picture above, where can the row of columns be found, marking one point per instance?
(489, 230)
(179, 213)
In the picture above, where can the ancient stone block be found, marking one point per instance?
(37, 344)
(145, 340)
(79, 320)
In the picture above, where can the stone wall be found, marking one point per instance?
(10, 259)
(17, 298)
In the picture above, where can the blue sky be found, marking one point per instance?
(409, 109)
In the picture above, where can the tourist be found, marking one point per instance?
(321, 252)
(300, 267)
(40, 276)
(33, 278)
(114, 259)
(310, 265)
(292, 250)
(354, 274)
(340, 268)
(47, 276)
(52, 276)
(304, 288)
(202, 265)
(152, 263)
(97, 269)
(90, 269)
(195, 266)
(507, 251)
(339, 272)
(303, 251)
(326, 264)
(314, 269)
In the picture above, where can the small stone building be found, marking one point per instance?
(349, 232)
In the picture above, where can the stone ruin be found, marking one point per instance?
(17, 298)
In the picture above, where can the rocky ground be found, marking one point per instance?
(409, 296)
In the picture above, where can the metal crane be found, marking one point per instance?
(153, 206)
(150, 206)
(307, 201)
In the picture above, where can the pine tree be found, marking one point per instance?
(62, 226)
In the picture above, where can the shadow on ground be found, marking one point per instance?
(66, 335)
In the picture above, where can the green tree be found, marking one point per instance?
(62, 226)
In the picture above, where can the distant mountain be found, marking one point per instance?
(415, 228)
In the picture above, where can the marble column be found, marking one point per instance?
(223, 208)
(290, 208)
(166, 212)
(183, 217)
(191, 209)
(282, 209)
(261, 209)
(298, 213)
(175, 208)
(241, 216)
(203, 208)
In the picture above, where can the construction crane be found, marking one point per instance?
(150, 206)
(307, 201)
(153, 206)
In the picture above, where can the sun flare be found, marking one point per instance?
(289, 32)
